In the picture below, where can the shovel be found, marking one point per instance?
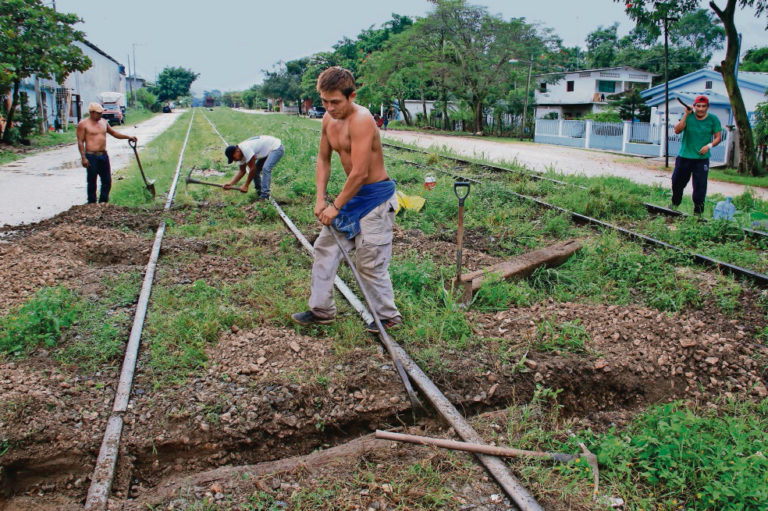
(461, 189)
(149, 184)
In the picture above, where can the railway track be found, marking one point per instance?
(756, 277)
(105, 468)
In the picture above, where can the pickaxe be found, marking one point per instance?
(191, 179)
(493, 450)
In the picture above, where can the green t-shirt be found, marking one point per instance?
(697, 134)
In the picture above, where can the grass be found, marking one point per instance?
(671, 456)
(732, 176)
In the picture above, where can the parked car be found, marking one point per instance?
(166, 109)
(113, 114)
(316, 112)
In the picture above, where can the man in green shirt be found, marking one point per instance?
(701, 133)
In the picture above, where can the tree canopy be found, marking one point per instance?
(36, 40)
(174, 82)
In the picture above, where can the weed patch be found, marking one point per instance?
(42, 320)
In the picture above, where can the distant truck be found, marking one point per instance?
(114, 107)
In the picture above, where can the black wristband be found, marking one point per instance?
(334, 206)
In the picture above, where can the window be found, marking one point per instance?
(543, 87)
(708, 84)
(569, 86)
(604, 86)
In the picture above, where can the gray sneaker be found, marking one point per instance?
(309, 318)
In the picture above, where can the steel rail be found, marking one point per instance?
(104, 471)
(653, 208)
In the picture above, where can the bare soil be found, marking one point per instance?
(271, 394)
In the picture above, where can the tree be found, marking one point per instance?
(36, 40)
(284, 82)
(643, 10)
(630, 105)
(603, 46)
(756, 59)
(147, 99)
(174, 82)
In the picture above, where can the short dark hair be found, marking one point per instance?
(336, 78)
(229, 152)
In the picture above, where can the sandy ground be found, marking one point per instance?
(541, 157)
(45, 184)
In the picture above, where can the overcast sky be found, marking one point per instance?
(229, 42)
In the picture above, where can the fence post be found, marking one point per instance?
(560, 128)
(587, 132)
(663, 144)
(625, 137)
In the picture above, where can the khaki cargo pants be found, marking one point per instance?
(373, 250)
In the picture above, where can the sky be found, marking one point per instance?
(230, 42)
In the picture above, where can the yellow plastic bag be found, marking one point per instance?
(413, 202)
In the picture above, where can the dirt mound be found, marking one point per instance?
(105, 216)
(65, 253)
(631, 355)
(443, 249)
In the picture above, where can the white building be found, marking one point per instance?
(577, 93)
(105, 75)
(709, 83)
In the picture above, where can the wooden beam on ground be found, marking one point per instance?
(525, 264)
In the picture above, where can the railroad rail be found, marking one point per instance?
(104, 471)
(650, 207)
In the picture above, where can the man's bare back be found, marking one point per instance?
(338, 136)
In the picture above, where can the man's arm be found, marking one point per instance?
(251, 173)
(322, 171)
(361, 131)
(119, 135)
(716, 140)
(81, 144)
(680, 126)
(238, 177)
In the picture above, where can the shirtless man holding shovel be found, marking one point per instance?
(364, 211)
(92, 143)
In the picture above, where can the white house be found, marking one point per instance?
(709, 83)
(577, 93)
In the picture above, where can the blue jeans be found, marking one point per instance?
(685, 169)
(98, 166)
(263, 177)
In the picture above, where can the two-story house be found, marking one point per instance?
(575, 94)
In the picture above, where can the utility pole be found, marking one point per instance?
(525, 103)
(666, 92)
(130, 82)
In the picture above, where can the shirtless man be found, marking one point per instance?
(92, 143)
(364, 211)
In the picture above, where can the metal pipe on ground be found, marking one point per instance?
(104, 471)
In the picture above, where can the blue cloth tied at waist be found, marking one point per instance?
(366, 200)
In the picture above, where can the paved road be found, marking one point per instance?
(47, 183)
(541, 157)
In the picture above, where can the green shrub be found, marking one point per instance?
(41, 320)
(686, 459)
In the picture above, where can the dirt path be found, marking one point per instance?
(541, 157)
(45, 184)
